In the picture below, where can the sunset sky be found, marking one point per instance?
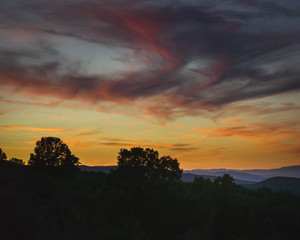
(213, 83)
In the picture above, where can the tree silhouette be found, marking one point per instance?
(52, 151)
(146, 163)
(225, 180)
(3, 156)
(17, 161)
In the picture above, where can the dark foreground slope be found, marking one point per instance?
(52, 204)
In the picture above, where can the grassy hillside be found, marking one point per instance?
(54, 204)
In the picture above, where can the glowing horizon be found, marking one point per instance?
(213, 85)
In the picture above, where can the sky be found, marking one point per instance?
(214, 84)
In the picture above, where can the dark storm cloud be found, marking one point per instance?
(200, 55)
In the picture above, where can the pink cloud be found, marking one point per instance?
(175, 40)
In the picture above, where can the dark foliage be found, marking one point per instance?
(17, 161)
(3, 156)
(52, 152)
(145, 164)
(91, 206)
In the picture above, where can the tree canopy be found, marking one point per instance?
(2, 155)
(17, 161)
(225, 180)
(52, 151)
(147, 163)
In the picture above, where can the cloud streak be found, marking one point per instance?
(259, 130)
(195, 56)
(277, 137)
(35, 129)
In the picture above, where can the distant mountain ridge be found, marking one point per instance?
(255, 175)
(189, 177)
(251, 175)
(186, 177)
(280, 179)
(287, 184)
(290, 171)
(104, 169)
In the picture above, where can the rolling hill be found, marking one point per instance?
(186, 176)
(276, 184)
(255, 175)
(281, 179)
(189, 177)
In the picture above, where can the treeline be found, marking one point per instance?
(143, 199)
(3, 157)
(52, 204)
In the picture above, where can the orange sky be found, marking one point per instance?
(250, 141)
(204, 83)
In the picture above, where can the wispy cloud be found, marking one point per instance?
(282, 137)
(15, 148)
(35, 129)
(234, 121)
(260, 130)
(85, 134)
(116, 144)
(257, 109)
(80, 144)
(196, 57)
(39, 104)
(179, 147)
